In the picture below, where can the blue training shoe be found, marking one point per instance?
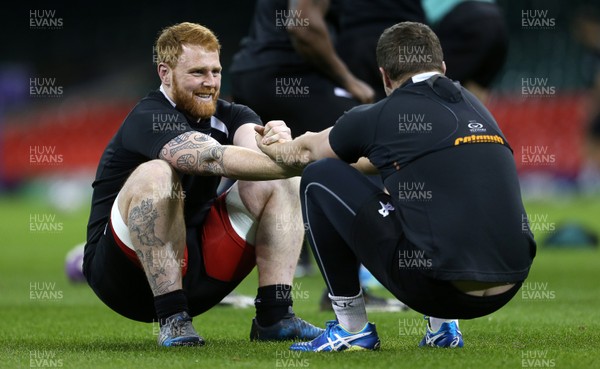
(291, 328)
(179, 331)
(447, 336)
(336, 338)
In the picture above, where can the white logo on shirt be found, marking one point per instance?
(385, 209)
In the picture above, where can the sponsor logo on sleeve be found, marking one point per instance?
(479, 139)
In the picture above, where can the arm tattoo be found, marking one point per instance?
(179, 139)
(142, 219)
(195, 153)
(183, 146)
(186, 162)
(212, 159)
(184, 141)
(208, 161)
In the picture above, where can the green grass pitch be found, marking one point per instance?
(555, 323)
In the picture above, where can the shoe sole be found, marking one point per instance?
(184, 343)
(360, 348)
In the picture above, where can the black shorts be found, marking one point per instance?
(305, 99)
(217, 260)
(474, 40)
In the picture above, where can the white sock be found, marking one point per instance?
(436, 323)
(350, 312)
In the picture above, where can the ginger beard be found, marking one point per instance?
(193, 104)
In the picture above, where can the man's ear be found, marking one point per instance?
(164, 73)
(444, 67)
(387, 82)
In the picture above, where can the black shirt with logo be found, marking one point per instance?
(451, 176)
(151, 124)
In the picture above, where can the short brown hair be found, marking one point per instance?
(168, 47)
(408, 48)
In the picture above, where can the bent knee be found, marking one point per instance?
(155, 177)
(156, 167)
(265, 189)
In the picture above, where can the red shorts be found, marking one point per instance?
(227, 256)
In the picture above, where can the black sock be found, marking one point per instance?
(273, 303)
(169, 304)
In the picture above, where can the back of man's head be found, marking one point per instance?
(169, 43)
(409, 48)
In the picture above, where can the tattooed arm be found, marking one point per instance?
(200, 154)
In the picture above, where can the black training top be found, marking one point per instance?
(451, 175)
(268, 42)
(151, 124)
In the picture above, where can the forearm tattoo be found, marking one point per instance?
(204, 156)
(208, 161)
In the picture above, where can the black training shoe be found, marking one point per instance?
(292, 328)
(179, 331)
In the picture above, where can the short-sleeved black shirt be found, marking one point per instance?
(451, 175)
(151, 124)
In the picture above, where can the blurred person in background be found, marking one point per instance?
(474, 37)
(287, 67)
(586, 29)
(161, 246)
(361, 24)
